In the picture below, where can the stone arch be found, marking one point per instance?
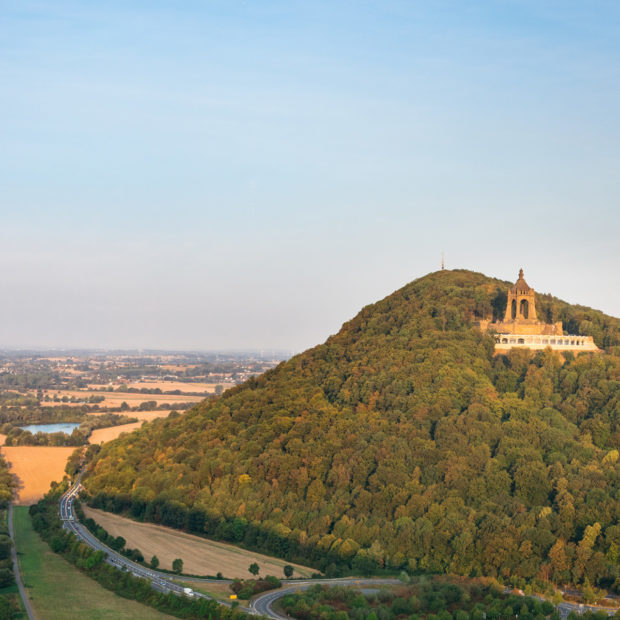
(513, 309)
(524, 308)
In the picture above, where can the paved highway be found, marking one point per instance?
(262, 604)
(162, 582)
(158, 580)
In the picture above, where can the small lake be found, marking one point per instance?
(60, 427)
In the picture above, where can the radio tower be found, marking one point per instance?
(443, 262)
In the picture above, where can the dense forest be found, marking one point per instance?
(433, 599)
(402, 442)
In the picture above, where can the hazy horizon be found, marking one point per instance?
(227, 175)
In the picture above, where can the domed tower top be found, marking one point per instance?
(521, 301)
(521, 286)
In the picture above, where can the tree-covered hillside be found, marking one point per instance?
(402, 442)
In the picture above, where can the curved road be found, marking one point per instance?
(18, 579)
(158, 580)
(261, 605)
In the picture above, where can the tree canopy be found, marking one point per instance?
(403, 441)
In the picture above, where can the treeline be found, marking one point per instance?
(46, 522)
(432, 599)
(8, 484)
(9, 607)
(132, 390)
(252, 536)
(86, 399)
(15, 399)
(16, 436)
(114, 542)
(246, 588)
(29, 380)
(403, 442)
(19, 414)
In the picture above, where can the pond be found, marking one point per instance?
(59, 427)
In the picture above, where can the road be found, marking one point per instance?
(18, 579)
(158, 580)
(566, 608)
(162, 582)
(261, 605)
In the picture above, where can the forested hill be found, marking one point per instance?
(402, 442)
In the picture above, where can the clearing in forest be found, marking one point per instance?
(36, 467)
(200, 556)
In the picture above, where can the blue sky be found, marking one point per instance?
(250, 174)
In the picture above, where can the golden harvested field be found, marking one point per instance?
(141, 415)
(112, 432)
(35, 468)
(114, 399)
(200, 556)
(169, 386)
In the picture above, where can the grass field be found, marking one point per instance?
(58, 591)
(35, 467)
(200, 556)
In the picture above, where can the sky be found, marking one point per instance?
(248, 174)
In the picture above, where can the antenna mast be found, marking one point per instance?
(443, 262)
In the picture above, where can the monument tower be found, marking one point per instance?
(521, 327)
(521, 301)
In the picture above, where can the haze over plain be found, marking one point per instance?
(220, 175)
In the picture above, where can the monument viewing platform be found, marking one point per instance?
(521, 327)
(504, 342)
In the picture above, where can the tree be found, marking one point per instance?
(154, 562)
(254, 569)
(288, 571)
(177, 565)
